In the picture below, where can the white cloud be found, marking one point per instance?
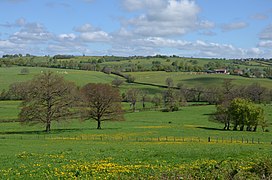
(265, 43)
(8, 47)
(96, 36)
(7, 44)
(89, 33)
(266, 34)
(199, 48)
(66, 37)
(85, 28)
(132, 5)
(31, 32)
(65, 48)
(166, 18)
(234, 26)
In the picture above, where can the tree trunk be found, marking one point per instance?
(98, 124)
(134, 106)
(48, 127)
(225, 127)
(255, 128)
(198, 97)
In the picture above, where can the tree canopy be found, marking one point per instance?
(48, 98)
(240, 113)
(101, 102)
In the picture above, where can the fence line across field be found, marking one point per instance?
(209, 139)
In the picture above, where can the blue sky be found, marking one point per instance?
(198, 28)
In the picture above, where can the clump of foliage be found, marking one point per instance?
(239, 113)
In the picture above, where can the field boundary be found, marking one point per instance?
(161, 139)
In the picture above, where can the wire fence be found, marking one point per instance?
(161, 139)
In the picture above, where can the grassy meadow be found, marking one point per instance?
(13, 74)
(147, 145)
(192, 79)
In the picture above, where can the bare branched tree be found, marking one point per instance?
(49, 98)
(101, 102)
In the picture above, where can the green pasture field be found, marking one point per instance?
(9, 110)
(12, 74)
(147, 62)
(148, 144)
(192, 79)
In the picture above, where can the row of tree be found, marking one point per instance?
(49, 97)
(173, 96)
(160, 63)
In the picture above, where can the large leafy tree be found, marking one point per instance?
(240, 113)
(245, 113)
(101, 102)
(48, 98)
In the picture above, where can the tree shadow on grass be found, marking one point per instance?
(213, 129)
(55, 131)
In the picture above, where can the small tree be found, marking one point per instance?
(117, 82)
(222, 115)
(130, 78)
(144, 97)
(24, 71)
(49, 98)
(256, 92)
(169, 82)
(264, 124)
(18, 90)
(132, 97)
(156, 100)
(101, 102)
(171, 100)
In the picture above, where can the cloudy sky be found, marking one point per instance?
(198, 28)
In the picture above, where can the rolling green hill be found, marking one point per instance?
(149, 144)
(196, 79)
